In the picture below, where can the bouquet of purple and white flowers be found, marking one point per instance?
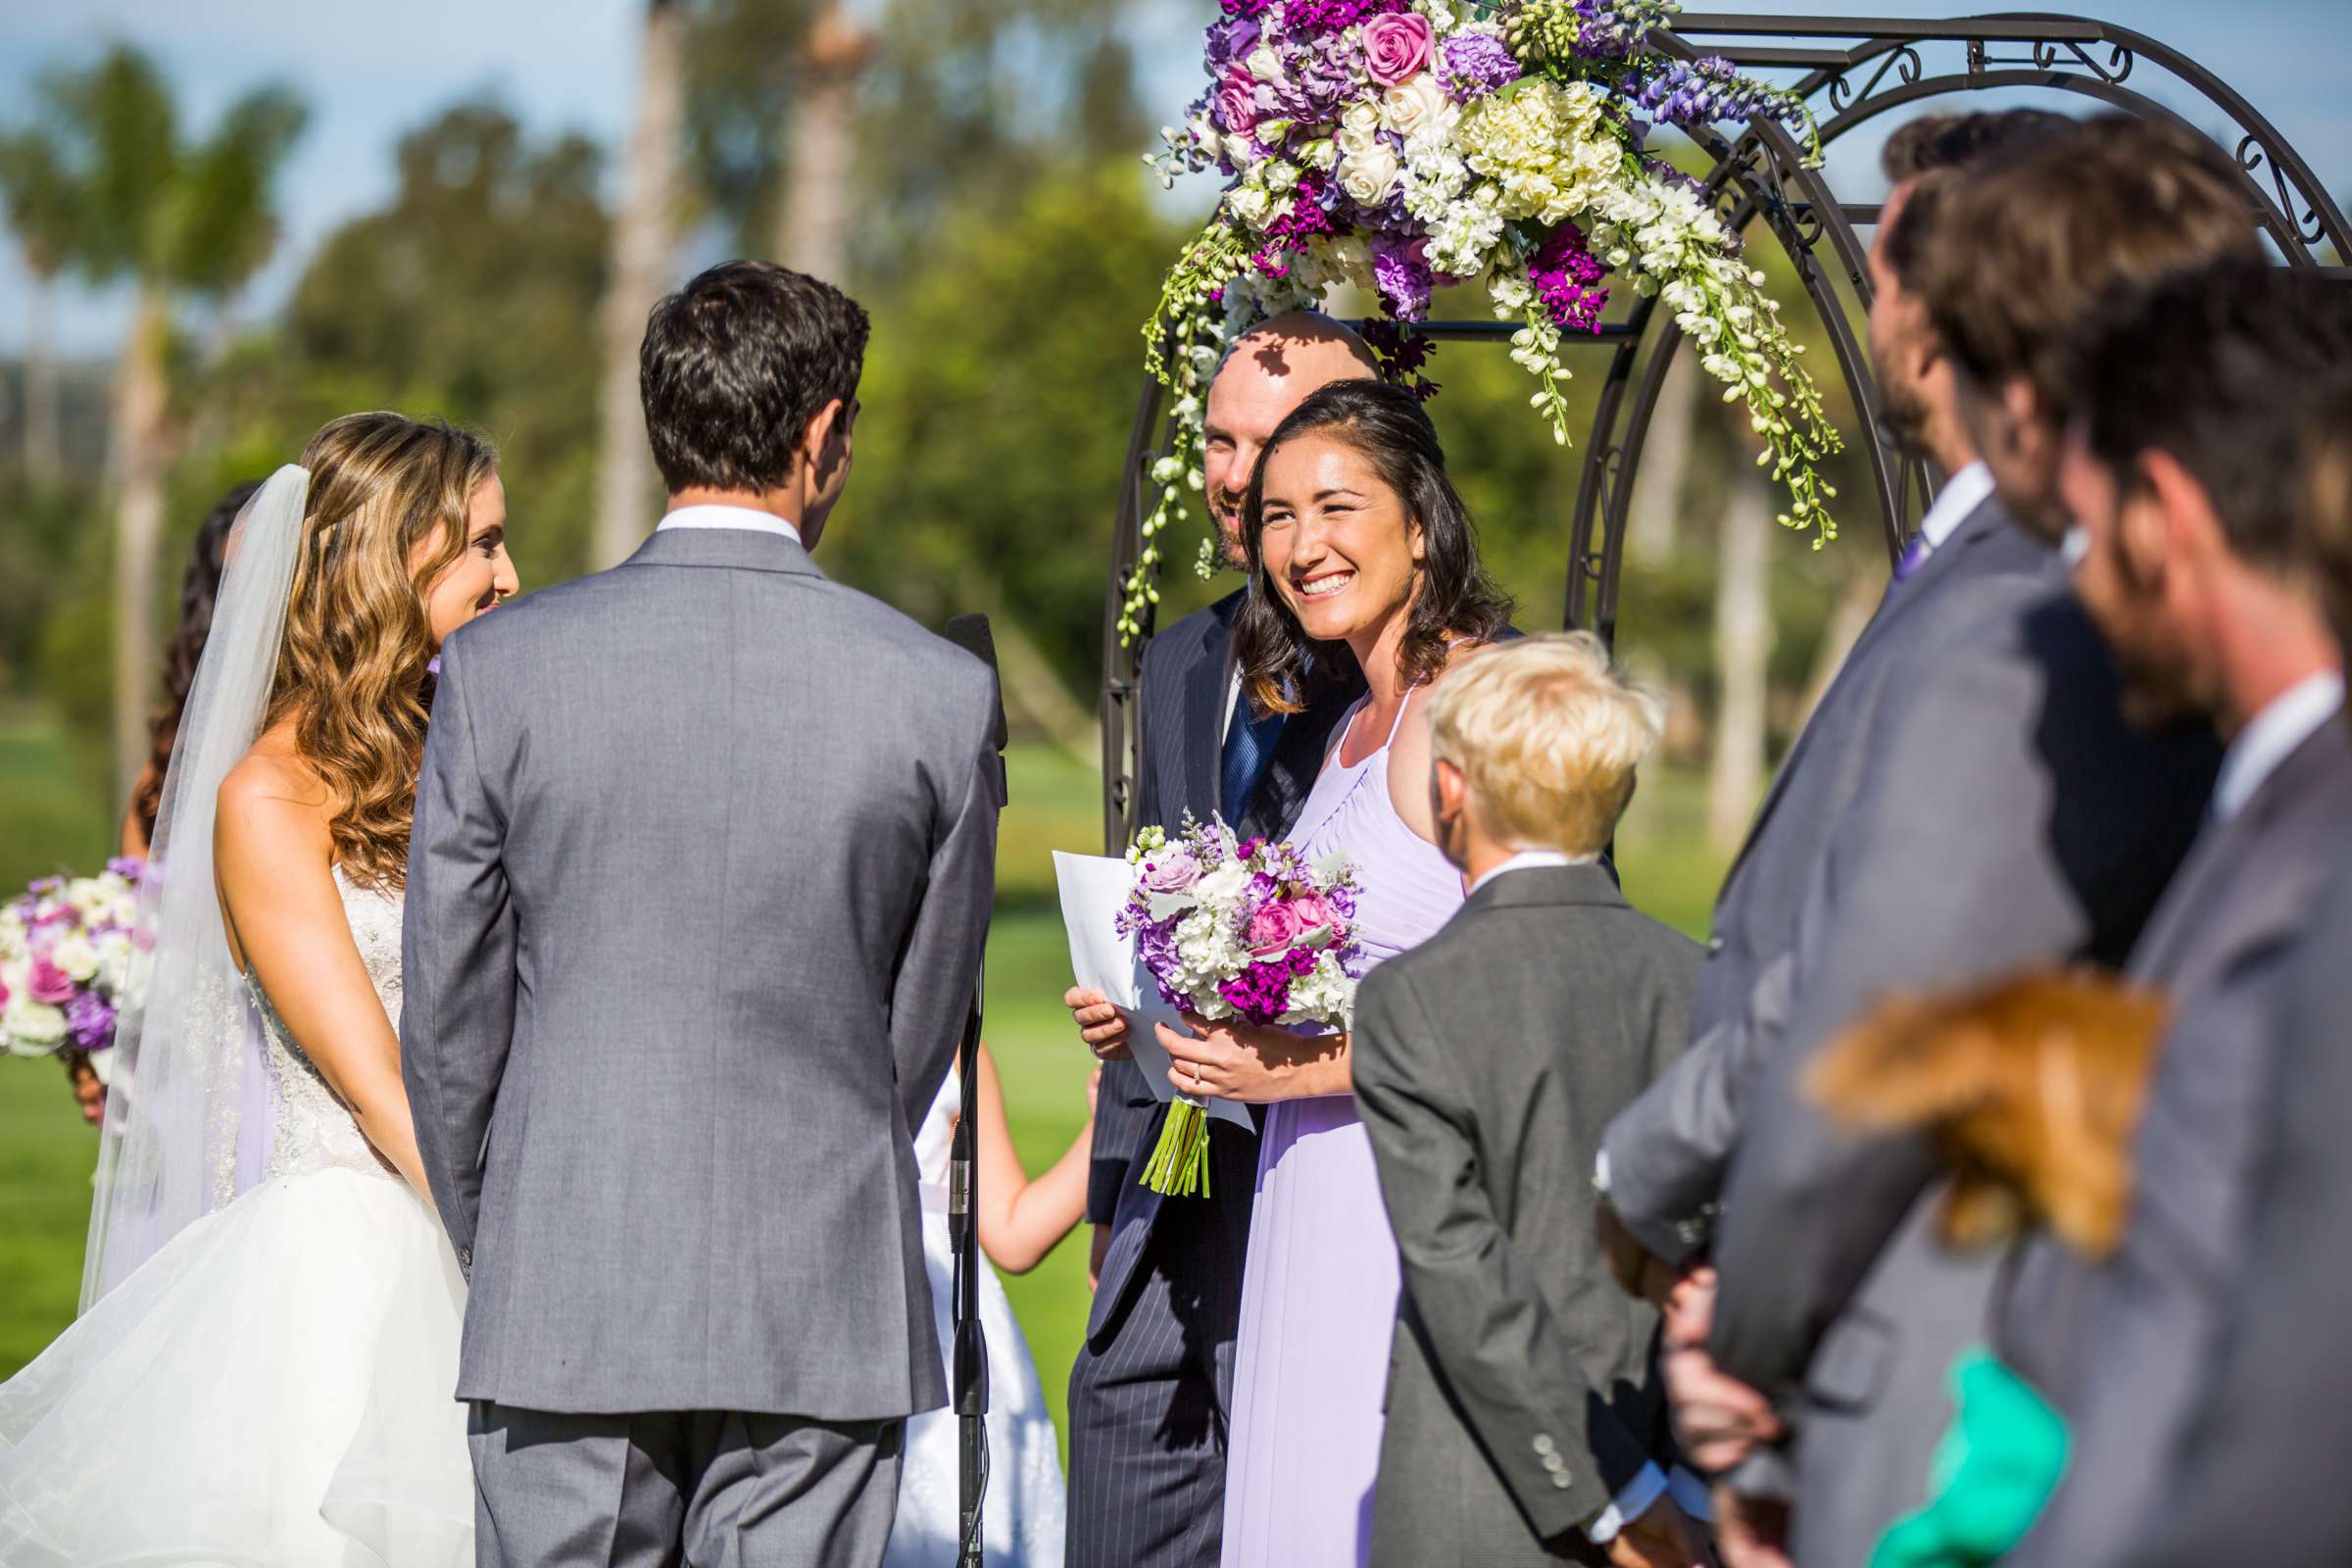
(69, 963)
(1233, 928)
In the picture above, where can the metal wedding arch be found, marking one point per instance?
(1851, 70)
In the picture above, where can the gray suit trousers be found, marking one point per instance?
(710, 1489)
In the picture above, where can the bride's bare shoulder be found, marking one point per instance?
(272, 803)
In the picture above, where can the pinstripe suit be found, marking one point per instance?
(1148, 1394)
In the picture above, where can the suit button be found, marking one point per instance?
(1560, 1479)
(1714, 944)
(1554, 1463)
(1545, 1446)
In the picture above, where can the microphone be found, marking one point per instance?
(971, 634)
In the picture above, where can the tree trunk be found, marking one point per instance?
(641, 242)
(140, 460)
(812, 225)
(44, 452)
(1655, 523)
(1742, 654)
(1857, 601)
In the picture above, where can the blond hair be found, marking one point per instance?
(352, 668)
(1549, 735)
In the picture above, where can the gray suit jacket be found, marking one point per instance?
(2258, 1476)
(701, 873)
(2007, 816)
(1521, 1395)
(2124, 1349)
(1669, 1150)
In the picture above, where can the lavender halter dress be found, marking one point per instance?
(1319, 1290)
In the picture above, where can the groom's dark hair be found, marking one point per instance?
(736, 363)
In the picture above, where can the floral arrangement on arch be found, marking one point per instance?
(1404, 146)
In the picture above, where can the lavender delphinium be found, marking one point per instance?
(1472, 65)
(1701, 92)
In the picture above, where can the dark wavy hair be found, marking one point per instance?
(1453, 599)
(199, 589)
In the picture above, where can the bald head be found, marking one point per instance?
(1267, 372)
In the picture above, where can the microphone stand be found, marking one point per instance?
(967, 1376)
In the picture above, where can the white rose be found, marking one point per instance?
(73, 954)
(32, 1023)
(1247, 203)
(1414, 104)
(1265, 64)
(1240, 152)
(1360, 129)
(1281, 177)
(1323, 154)
(1367, 177)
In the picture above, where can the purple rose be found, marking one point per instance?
(1273, 928)
(1171, 870)
(1237, 103)
(49, 984)
(1395, 46)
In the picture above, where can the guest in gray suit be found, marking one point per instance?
(1668, 1151)
(2190, 487)
(1149, 1387)
(689, 943)
(2259, 1472)
(2006, 814)
(1525, 1423)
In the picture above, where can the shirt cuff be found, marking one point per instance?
(1600, 1173)
(1691, 1494)
(1628, 1506)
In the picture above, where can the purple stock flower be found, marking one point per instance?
(1245, 8)
(1230, 40)
(1262, 993)
(127, 866)
(1314, 18)
(91, 1021)
(1567, 278)
(1308, 216)
(1472, 65)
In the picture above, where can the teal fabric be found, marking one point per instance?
(1997, 1465)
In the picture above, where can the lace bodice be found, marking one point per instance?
(310, 1128)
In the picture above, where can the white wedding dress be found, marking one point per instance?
(273, 1389)
(1021, 1513)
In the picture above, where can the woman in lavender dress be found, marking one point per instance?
(1358, 548)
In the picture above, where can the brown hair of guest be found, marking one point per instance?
(1454, 599)
(2030, 1089)
(1927, 154)
(2115, 202)
(2327, 539)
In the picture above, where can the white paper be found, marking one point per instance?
(1094, 886)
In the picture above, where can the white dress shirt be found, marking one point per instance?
(2271, 737)
(728, 518)
(1963, 493)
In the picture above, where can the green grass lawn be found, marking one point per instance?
(48, 818)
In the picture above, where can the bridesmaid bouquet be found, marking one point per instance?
(68, 964)
(1229, 928)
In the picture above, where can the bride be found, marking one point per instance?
(264, 1369)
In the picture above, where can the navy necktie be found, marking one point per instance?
(1248, 743)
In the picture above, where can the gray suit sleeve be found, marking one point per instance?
(931, 994)
(457, 953)
(1941, 876)
(1668, 1149)
(1508, 1362)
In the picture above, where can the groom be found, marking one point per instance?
(689, 943)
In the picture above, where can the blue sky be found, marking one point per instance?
(371, 70)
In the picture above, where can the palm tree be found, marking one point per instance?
(813, 231)
(178, 221)
(42, 211)
(644, 232)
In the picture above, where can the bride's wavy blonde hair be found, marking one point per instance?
(352, 670)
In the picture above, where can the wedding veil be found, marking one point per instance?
(187, 1112)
